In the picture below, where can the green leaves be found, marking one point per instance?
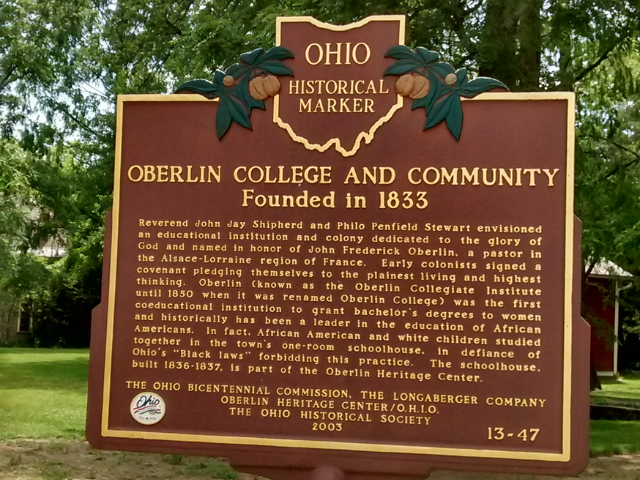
(245, 96)
(454, 117)
(442, 103)
(427, 56)
(470, 89)
(420, 60)
(203, 87)
(439, 111)
(420, 56)
(276, 67)
(400, 67)
(231, 108)
(236, 102)
(258, 61)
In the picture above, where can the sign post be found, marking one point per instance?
(342, 255)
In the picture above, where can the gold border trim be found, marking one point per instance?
(366, 136)
(568, 273)
(563, 456)
(348, 446)
(115, 225)
(113, 266)
(340, 28)
(156, 97)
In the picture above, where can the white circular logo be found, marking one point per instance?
(147, 408)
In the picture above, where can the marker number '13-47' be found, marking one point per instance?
(526, 435)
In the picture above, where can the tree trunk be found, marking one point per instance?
(530, 39)
(497, 48)
(511, 43)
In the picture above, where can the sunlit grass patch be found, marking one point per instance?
(624, 391)
(43, 393)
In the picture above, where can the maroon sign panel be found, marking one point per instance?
(297, 274)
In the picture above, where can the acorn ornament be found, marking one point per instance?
(451, 79)
(271, 85)
(228, 81)
(263, 87)
(404, 84)
(420, 88)
(256, 88)
(413, 86)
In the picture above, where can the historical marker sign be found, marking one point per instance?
(341, 280)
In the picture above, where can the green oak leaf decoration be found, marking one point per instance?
(446, 85)
(236, 101)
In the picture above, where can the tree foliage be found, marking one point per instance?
(62, 63)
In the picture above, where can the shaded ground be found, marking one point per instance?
(76, 460)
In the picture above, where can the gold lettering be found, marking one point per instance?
(335, 52)
(354, 54)
(305, 105)
(308, 51)
(139, 171)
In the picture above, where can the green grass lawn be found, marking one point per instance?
(43, 393)
(609, 437)
(614, 437)
(624, 391)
